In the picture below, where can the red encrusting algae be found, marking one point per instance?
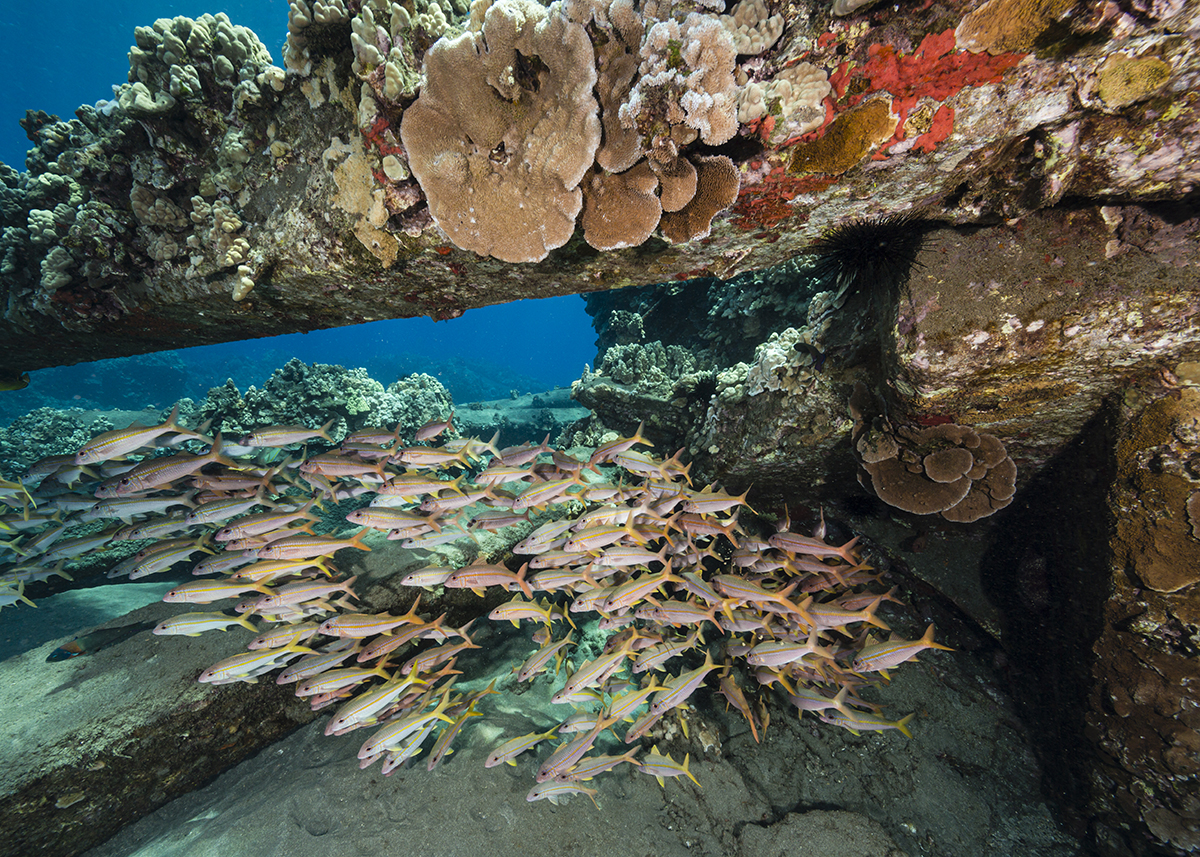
(935, 70)
(765, 205)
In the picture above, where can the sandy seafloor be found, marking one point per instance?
(966, 784)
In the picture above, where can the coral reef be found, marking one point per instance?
(620, 210)
(959, 342)
(300, 393)
(44, 432)
(662, 386)
(180, 211)
(999, 26)
(309, 212)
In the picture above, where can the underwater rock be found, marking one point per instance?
(104, 739)
(1098, 650)
(523, 419)
(662, 387)
(218, 198)
(1145, 681)
(832, 834)
(1019, 331)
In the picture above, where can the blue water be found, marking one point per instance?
(473, 356)
(75, 58)
(58, 57)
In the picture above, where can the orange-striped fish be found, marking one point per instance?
(113, 444)
(433, 428)
(881, 657)
(286, 435)
(308, 546)
(161, 471)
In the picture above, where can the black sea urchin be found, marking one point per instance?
(871, 254)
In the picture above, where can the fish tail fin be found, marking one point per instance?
(490, 446)
(746, 494)
(471, 644)
(21, 593)
(839, 701)
(455, 484)
(870, 617)
(214, 455)
(357, 541)
(846, 551)
(323, 431)
(172, 422)
(927, 639)
(523, 583)
(412, 616)
(686, 760)
(638, 437)
(902, 724)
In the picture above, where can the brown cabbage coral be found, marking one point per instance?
(505, 129)
(717, 183)
(620, 210)
(678, 179)
(945, 469)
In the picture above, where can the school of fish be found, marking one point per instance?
(623, 538)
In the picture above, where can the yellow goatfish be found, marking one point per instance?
(279, 436)
(113, 444)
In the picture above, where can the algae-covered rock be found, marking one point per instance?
(663, 386)
(329, 226)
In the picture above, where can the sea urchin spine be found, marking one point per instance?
(868, 254)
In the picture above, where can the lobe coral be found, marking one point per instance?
(505, 129)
